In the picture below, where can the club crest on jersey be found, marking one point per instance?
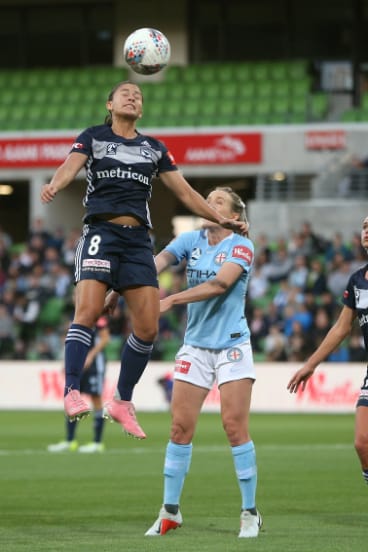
(111, 149)
(196, 253)
(234, 354)
(146, 152)
(220, 258)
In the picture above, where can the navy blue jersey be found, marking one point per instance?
(120, 171)
(356, 297)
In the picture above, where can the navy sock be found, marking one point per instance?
(98, 424)
(135, 355)
(365, 475)
(77, 344)
(70, 430)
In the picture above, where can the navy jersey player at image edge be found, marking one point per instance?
(355, 301)
(115, 250)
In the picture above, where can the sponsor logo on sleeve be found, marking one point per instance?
(242, 252)
(171, 157)
(77, 145)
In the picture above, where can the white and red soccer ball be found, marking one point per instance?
(147, 51)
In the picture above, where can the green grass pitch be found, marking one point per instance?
(310, 489)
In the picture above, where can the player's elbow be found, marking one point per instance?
(218, 286)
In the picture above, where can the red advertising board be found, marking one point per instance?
(188, 149)
(325, 140)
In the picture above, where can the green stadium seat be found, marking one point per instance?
(52, 312)
(278, 71)
(297, 69)
(225, 73)
(229, 90)
(176, 91)
(281, 88)
(280, 106)
(263, 106)
(318, 105)
(191, 109)
(364, 101)
(173, 74)
(242, 72)
(212, 90)
(244, 108)
(158, 92)
(191, 74)
(261, 71)
(264, 89)
(194, 91)
(209, 108)
(208, 73)
(226, 109)
(349, 116)
(300, 87)
(246, 89)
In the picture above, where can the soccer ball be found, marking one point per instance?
(147, 51)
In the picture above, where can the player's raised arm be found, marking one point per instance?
(63, 176)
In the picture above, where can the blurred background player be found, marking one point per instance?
(91, 384)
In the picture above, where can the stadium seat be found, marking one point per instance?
(264, 88)
(158, 92)
(173, 74)
(52, 312)
(350, 116)
(261, 71)
(297, 69)
(278, 71)
(194, 91)
(229, 90)
(318, 105)
(242, 72)
(212, 90)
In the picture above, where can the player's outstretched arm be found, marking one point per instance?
(197, 204)
(334, 337)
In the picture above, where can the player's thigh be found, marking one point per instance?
(186, 403)
(89, 301)
(235, 397)
(144, 307)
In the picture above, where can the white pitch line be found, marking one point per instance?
(198, 449)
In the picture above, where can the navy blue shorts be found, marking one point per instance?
(120, 256)
(363, 395)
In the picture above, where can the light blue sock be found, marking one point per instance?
(176, 467)
(246, 471)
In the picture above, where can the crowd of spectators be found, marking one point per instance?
(294, 296)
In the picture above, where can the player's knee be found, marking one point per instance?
(180, 433)
(361, 444)
(235, 431)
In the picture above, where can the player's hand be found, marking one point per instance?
(111, 300)
(300, 378)
(48, 192)
(165, 304)
(237, 226)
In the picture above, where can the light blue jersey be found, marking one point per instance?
(219, 322)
